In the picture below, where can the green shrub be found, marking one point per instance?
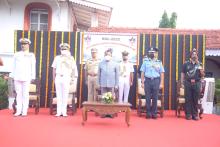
(217, 90)
(217, 84)
(3, 94)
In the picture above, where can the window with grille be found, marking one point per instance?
(39, 19)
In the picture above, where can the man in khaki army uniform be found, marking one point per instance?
(91, 72)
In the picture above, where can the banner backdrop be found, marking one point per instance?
(117, 42)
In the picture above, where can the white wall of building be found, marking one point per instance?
(12, 18)
(61, 18)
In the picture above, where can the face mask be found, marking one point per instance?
(151, 56)
(65, 52)
(25, 48)
(194, 58)
(125, 58)
(107, 58)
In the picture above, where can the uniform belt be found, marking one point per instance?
(190, 80)
(61, 75)
(92, 75)
(152, 78)
(124, 76)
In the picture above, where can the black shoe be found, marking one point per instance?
(109, 116)
(148, 116)
(195, 118)
(154, 116)
(188, 118)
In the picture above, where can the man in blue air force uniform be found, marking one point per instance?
(152, 79)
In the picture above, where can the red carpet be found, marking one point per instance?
(47, 131)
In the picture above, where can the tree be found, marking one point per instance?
(173, 20)
(165, 22)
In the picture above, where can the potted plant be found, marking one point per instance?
(3, 93)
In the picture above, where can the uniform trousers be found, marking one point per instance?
(151, 89)
(92, 85)
(124, 87)
(22, 98)
(192, 95)
(62, 84)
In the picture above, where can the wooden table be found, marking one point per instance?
(102, 109)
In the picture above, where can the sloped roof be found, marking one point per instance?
(212, 36)
(92, 5)
(83, 11)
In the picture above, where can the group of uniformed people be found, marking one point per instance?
(152, 79)
(106, 75)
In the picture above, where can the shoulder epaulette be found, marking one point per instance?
(146, 59)
(90, 59)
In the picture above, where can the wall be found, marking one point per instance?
(62, 18)
(12, 18)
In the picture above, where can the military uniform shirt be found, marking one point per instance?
(125, 69)
(92, 66)
(152, 68)
(24, 64)
(65, 66)
(192, 71)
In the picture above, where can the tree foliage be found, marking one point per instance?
(167, 22)
(3, 94)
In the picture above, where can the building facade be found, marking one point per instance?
(46, 15)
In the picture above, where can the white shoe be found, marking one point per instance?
(65, 115)
(57, 115)
(24, 114)
(17, 114)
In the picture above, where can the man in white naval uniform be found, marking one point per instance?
(64, 72)
(126, 70)
(23, 71)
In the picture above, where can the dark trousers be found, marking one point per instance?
(151, 88)
(192, 94)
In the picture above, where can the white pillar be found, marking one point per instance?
(94, 20)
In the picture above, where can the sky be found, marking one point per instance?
(191, 14)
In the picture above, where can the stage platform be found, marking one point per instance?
(44, 130)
